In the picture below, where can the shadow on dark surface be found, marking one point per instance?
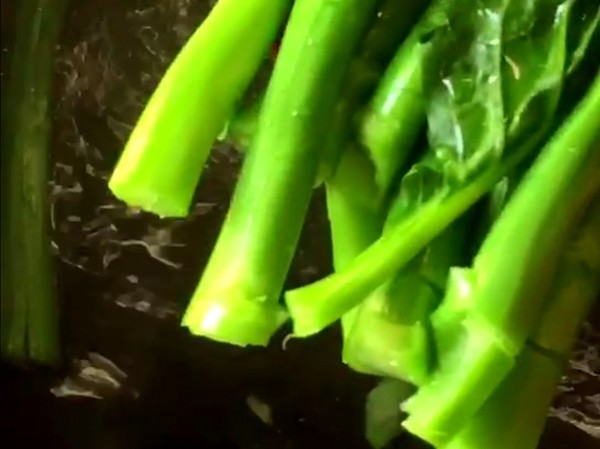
(182, 406)
(124, 277)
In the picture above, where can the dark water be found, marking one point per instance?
(133, 378)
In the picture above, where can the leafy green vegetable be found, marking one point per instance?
(391, 333)
(490, 310)
(465, 159)
(390, 336)
(459, 160)
(357, 220)
(395, 115)
(472, 145)
(237, 298)
(520, 404)
(392, 24)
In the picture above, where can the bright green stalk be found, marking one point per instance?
(391, 333)
(488, 211)
(514, 416)
(346, 204)
(237, 298)
(492, 308)
(30, 328)
(164, 157)
(351, 192)
(390, 127)
(356, 219)
(390, 337)
(315, 306)
(434, 192)
(575, 289)
(355, 224)
(468, 125)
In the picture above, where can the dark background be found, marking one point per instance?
(123, 280)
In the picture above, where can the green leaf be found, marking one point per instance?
(534, 56)
(463, 75)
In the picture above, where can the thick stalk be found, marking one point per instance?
(492, 308)
(354, 219)
(164, 157)
(514, 416)
(520, 404)
(391, 334)
(575, 289)
(395, 116)
(237, 298)
(357, 222)
(30, 328)
(317, 305)
(430, 199)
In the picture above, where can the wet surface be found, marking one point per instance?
(134, 378)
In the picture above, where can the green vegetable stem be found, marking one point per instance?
(451, 176)
(356, 220)
(30, 323)
(520, 404)
(391, 334)
(491, 309)
(163, 159)
(237, 298)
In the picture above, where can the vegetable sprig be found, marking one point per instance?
(459, 155)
